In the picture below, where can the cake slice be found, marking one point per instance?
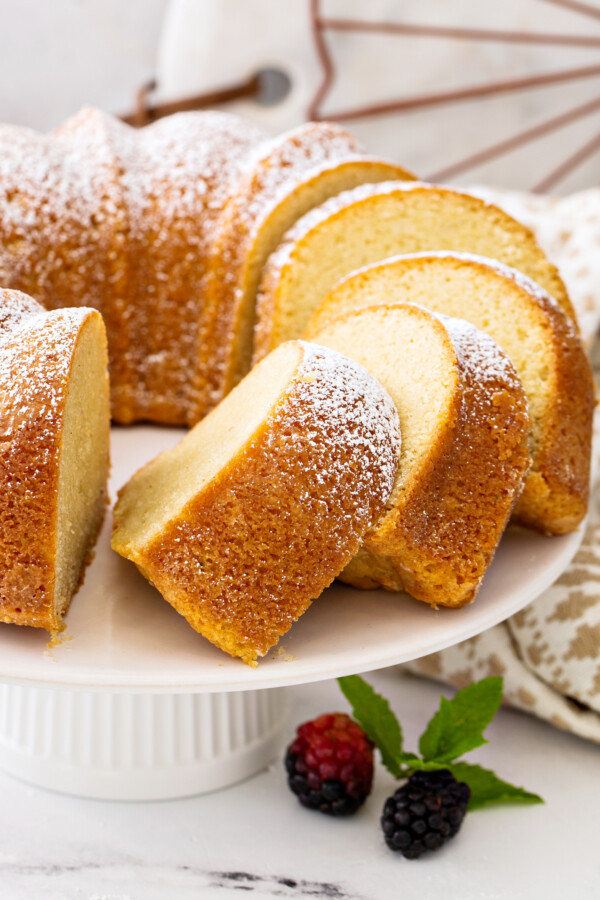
(464, 423)
(258, 508)
(541, 343)
(296, 172)
(54, 434)
(372, 222)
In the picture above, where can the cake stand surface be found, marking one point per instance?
(132, 704)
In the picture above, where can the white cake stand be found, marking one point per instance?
(132, 704)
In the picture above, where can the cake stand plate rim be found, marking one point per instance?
(122, 636)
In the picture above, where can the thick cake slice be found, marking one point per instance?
(258, 508)
(463, 417)
(54, 432)
(296, 172)
(372, 222)
(541, 343)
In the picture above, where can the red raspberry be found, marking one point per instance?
(330, 764)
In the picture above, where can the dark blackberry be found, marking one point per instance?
(330, 765)
(424, 813)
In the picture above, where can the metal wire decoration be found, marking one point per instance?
(321, 24)
(256, 87)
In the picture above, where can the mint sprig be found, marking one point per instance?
(373, 714)
(455, 729)
(458, 725)
(487, 788)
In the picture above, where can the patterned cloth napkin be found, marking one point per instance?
(549, 653)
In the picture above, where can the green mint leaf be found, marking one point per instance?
(408, 758)
(487, 788)
(457, 726)
(373, 713)
(421, 765)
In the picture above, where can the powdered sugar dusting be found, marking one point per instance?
(179, 175)
(284, 161)
(53, 211)
(15, 309)
(62, 219)
(359, 412)
(463, 461)
(35, 359)
(271, 176)
(245, 557)
(480, 354)
(100, 214)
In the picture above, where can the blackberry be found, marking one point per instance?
(424, 813)
(330, 765)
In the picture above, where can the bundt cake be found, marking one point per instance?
(540, 342)
(54, 426)
(259, 507)
(372, 222)
(464, 424)
(297, 172)
(131, 221)
(169, 232)
(100, 214)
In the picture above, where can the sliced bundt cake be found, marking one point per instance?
(100, 214)
(258, 508)
(373, 222)
(298, 171)
(539, 340)
(464, 423)
(128, 221)
(187, 165)
(54, 427)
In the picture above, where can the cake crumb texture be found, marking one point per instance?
(290, 471)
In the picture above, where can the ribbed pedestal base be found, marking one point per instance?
(119, 746)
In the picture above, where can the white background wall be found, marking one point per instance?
(56, 55)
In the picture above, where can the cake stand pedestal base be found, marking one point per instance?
(137, 746)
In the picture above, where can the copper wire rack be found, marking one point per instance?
(321, 25)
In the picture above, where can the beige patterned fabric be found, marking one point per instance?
(549, 653)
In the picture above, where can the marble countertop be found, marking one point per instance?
(255, 839)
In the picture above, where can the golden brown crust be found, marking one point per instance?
(555, 493)
(101, 149)
(99, 214)
(279, 169)
(36, 351)
(123, 220)
(451, 524)
(555, 496)
(184, 170)
(247, 555)
(104, 215)
(438, 538)
(304, 168)
(60, 215)
(442, 208)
